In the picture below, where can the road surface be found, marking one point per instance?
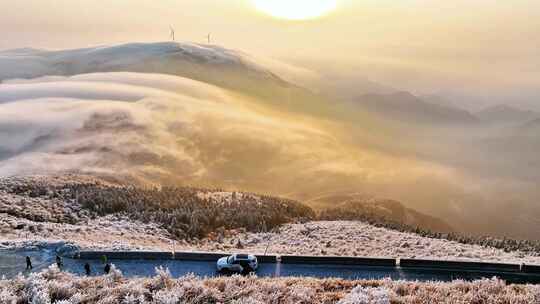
(13, 262)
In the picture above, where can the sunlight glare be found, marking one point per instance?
(295, 9)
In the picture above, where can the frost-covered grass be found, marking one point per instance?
(393, 215)
(354, 238)
(53, 286)
(102, 233)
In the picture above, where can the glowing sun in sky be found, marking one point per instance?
(295, 9)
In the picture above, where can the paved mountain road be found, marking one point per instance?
(13, 262)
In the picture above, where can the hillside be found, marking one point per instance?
(384, 211)
(99, 214)
(356, 238)
(362, 207)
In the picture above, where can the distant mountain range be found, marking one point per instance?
(530, 129)
(356, 206)
(404, 106)
(408, 108)
(443, 101)
(238, 71)
(506, 114)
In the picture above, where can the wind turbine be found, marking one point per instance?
(171, 32)
(208, 37)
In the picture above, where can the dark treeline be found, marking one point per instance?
(184, 212)
(187, 214)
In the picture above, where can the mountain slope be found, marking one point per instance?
(71, 203)
(358, 238)
(359, 207)
(386, 210)
(71, 208)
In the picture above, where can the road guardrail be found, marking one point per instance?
(328, 260)
(460, 265)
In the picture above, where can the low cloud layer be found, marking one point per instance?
(151, 127)
(159, 128)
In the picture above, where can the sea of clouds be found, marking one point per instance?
(144, 125)
(135, 112)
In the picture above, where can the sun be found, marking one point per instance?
(295, 9)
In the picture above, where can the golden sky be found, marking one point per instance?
(419, 45)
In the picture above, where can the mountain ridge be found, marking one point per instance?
(506, 114)
(213, 64)
(406, 107)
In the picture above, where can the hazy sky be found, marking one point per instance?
(473, 47)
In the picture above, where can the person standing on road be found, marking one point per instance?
(59, 262)
(107, 268)
(28, 263)
(87, 269)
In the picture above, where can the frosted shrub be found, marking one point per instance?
(111, 299)
(7, 297)
(77, 298)
(52, 272)
(115, 275)
(301, 294)
(247, 301)
(60, 290)
(163, 278)
(50, 287)
(40, 296)
(36, 290)
(166, 297)
(142, 300)
(134, 289)
(130, 299)
(367, 295)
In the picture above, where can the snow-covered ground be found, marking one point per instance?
(105, 233)
(344, 238)
(312, 238)
(53, 286)
(27, 220)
